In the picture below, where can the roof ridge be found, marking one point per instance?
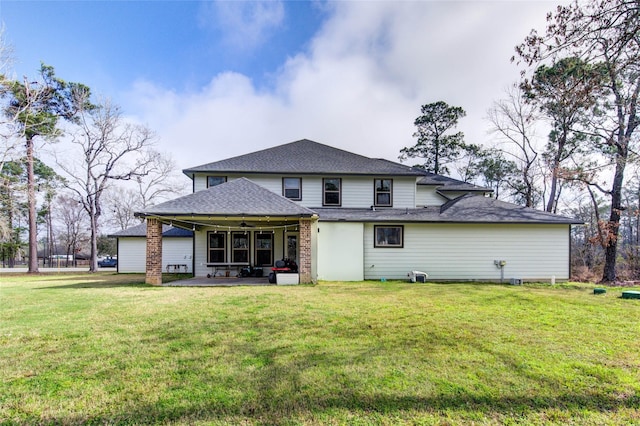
(304, 157)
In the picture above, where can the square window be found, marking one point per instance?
(383, 192)
(332, 191)
(388, 236)
(292, 188)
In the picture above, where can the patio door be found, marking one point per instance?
(291, 247)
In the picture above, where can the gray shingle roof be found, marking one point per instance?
(305, 157)
(141, 231)
(465, 209)
(445, 183)
(484, 209)
(239, 197)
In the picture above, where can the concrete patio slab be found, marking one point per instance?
(219, 282)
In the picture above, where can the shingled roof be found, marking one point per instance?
(305, 157)
(465, 209)
(239, 197)
(444, 183)
(168, 231)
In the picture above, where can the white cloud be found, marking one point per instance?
(243, 24)
(359, 86)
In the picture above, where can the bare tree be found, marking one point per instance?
(71, 215)
(160, 181)
(120, 205)
(606, 33)
(157, 185)
(567, 94)
(111, 149)
(513, 121)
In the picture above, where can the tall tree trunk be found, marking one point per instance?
(13, 239)
(552, 191)
(436, 166)
(93, 261)
(623, 139)
(613, 225)
(552, 202)
(31, 200)
(50, 240)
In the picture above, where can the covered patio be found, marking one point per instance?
(240, 229)
(219, 282)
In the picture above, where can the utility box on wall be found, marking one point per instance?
(417, 277)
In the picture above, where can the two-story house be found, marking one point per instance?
(343, 216)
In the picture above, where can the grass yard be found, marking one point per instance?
(107, 349)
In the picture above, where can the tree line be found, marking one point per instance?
(581, 80)
(93, 148)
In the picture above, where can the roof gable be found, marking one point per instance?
(239, 197)
(305, 157)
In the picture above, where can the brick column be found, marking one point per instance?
(154, 252)
(304, 268)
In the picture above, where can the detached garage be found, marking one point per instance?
(177, 249)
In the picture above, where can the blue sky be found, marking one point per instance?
(177, 44)
(216, 79)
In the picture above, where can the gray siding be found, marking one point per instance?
(132, 252)
(357, 191)
(426, 195)
(467, 252)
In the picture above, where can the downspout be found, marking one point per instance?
(193, 254)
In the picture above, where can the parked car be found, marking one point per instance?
(108, 262)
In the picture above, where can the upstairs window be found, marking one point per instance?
(331, 194)
(215, 180)
(292, 188)
(383, 192)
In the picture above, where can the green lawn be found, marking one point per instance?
(107, 349)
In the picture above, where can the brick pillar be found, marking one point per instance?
(154, 252)
(304, 267)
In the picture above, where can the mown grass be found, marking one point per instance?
(107, 349)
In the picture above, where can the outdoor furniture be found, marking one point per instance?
(285, 272)
(227, 268)
(177, 267)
